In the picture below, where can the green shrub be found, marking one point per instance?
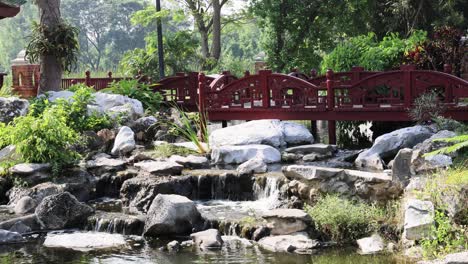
(445, 238)
(140, 91)
(343, 220)
(426, 107)
(459, 143)
(81, 86)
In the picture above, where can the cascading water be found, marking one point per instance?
(268, 196)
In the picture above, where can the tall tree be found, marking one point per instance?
(51, 68)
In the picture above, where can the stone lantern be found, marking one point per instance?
(25, 76)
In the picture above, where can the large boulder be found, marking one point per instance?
(419, 218)
(241, 154)
(254, 165)
(267, 132)
(208, 239)
(62, 211)
(430, 144)
(115, 105)
(8, 237)
(12, 107)
(32, 173)
(454, 258)
(144, 128)
(171, 214)
(124, 142)
(287, 221)
(297, 243)
(191, 161)
(82, 241)
(388, 145)
(295, 133)
(360, 184)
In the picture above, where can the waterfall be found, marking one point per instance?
(268, 196)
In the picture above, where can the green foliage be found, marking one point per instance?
(60, 41)
(6, 91)
(445, 238)
(45, 139)
(426, 107)
(342, 220)
(80, 86)
(136, 90)
(458, 143)
(188, 131)
(368, 52)
(167, 150)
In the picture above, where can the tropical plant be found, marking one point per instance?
(458, 143)
(140, 91)
(426, 107)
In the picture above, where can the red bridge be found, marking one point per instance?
(354, 95)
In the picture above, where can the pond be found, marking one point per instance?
(235, 252)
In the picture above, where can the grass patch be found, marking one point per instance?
(342, 220)
(167, 150)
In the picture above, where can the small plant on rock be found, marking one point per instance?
(426, 108)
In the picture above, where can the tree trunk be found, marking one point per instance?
(216, 44)
(51, 69)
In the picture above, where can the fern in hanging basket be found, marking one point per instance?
(60, 41)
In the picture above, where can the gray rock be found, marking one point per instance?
(62, 211)
(401, 168)
(8, 153)
(294, 133)
(388, 145)
(186, 244)
(145, 128)
(173, 246)
(439, 161)
(30, 221)
(266, 132)
(371, 245)
(124, 142)
(12, 107)
(297, 243)
(454, 258)
(20, 227)
(252, 166)
(287, 221)
(260, 233)
(102, 163)
(160, 167)
(25, 205)
(208, 239)
(32, 173)
(171, 214)
(322, 149)
(419, 218)
(85, 241)
(241, 154)
(364, 185)
(8, 237)
(191, 161)
(37, 192)
(429, 144)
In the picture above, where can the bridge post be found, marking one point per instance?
(264, 88)
(201, 104)
(407, 69)
(331, 107)
(313, 130)
(88, 78)
(448, 88)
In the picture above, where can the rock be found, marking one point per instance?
(145, 128)
(25, 205)
(84, 241)
(294, 133)
(20, 227)
(388, 145)
(321, 149)
(252, 166)
(12, 107)
(8, 237)
(287, 221)
(439, 161)
(429, 144)
(30, 221)
(160, 167)
(260, 233)
(124, 142)
(62, 211)
(186, 244)
(297, 243)
(192, 146)
(37, 192)
(208, 239)
(259, 132)
(419, 218)
(171, 214)
(8, 153)
(32, 173)
(454, 258)
(365, 185)
(401, 167)
(102, 163)
(371, 245)
(241, 154)
(290, 157)
(191, 161)
(173, 246)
